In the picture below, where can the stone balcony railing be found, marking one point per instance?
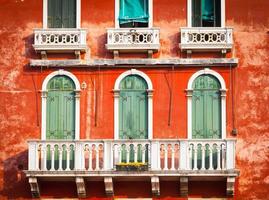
(133, 40)
(206, 39)
(60, 40)
(86, 160)
(104, 155)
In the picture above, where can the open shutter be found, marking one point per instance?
(133, 11)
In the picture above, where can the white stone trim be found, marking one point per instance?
(189, 13)
(116, 101)
(45, 13)
(117, 10)
(223, 91)
(44, 92)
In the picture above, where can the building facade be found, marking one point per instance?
(134, 99)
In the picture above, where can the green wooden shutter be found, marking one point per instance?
(133, 112)
(133, 11)
(206, 108)
(60, 122)
(61, 13)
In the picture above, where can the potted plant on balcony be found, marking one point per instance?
(132, 166)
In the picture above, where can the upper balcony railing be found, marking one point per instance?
(60, 40)
(206, 39)
(133, 39)
(157, 155)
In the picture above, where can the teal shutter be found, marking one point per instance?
(206, 108)
(60, 122)
(133, 112)
(133, 11)
(61, 13)
(206, 13)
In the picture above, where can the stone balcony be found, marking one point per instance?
(206, 39)
(133, 40)
(60, 40)
(98, 159)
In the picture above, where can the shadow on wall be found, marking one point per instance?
(15, 183)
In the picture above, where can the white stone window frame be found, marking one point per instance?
(117, 12)
(45, 14)
(44, 94)
(223, 91)
(189, 13)
(116, 91)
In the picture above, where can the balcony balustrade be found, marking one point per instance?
(60, 40)
(104, 155)
(133, 40)
(206, 39)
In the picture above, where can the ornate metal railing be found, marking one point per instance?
(60, 39)
(206, 38)
(104, 155)
(133, 39)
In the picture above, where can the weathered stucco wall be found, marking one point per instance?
(20, 110)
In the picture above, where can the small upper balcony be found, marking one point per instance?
(146, 159)
(206, 39)
(133, 40)
(60, 40)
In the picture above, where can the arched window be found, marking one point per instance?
(60, 108)
(206, 107)
(133, 108)
(206, 93)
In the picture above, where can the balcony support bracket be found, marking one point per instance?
(184, 190)
(116, 54)
(77, 54)
(155, 186)
(43, 55)
(150, 53)
(189, 52)
(109, 186)
(34, 187)
(81, 190)
(230, 186)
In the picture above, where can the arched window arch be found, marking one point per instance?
(60, 106)
(133, 97)
(206, 94)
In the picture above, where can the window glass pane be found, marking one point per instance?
(206, 13)
(133, 13)
(61, 13)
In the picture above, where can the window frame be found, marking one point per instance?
(44, 94)
(45, 14)
(116, 91)
(117, 11)
(189, 14)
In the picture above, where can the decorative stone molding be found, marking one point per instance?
(81, 190)
(109, 186)
(184, 188)
(155, 186)
(230, 186)
(34, 187)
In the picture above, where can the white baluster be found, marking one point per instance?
(128, 152)
(165, 157)
(97, 158)
(203, 149)
(218, 157)
(211, 157)
(143, 148)
(60, 149)
(90, 157)
(44, 157)
(68, 149)
(135, 152)
(52, 157)
(173, 156)
(120, 151)
(195, 148)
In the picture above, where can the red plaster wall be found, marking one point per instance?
(20, 110)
